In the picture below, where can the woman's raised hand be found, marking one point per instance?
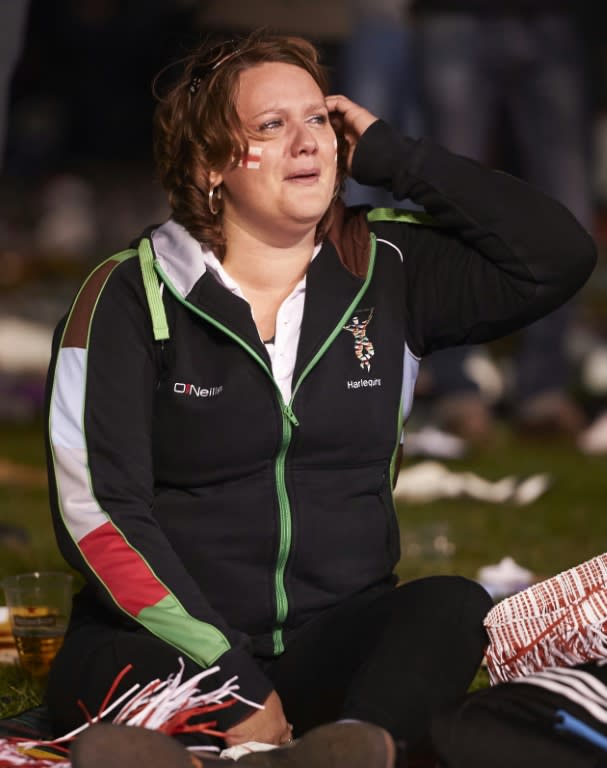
(349, 120)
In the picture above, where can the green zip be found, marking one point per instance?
(282, 603)
(289, 420)
(284, 547)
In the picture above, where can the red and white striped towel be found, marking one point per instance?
(559, 622)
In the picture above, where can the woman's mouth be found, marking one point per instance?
(304, 176)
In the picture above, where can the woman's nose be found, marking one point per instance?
(304, 141)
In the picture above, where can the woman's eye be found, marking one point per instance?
(319, 119)
(270, 125)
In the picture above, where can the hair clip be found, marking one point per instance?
(195, 84)
(225, 58)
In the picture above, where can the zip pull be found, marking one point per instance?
(286, 409)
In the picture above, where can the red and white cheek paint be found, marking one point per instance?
(252, 159)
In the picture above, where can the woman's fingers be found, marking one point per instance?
(349, 120)
(356, 119)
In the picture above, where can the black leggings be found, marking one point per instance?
(393, 659)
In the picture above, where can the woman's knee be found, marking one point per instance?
(475, 599)
(444, 593)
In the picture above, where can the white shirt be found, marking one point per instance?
(282, 349)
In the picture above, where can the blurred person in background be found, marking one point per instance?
(13, 20)
(85, 168)
(13, 23)
(376, 68)
(480, 61)
(226, 401)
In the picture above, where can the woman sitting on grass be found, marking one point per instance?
(227, 401)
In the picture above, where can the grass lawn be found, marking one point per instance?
(562, 528)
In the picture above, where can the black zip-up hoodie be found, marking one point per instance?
(196, 502)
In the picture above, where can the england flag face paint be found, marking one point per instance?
(252, 159)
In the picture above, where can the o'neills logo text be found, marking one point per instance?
(359, 383)
(190, 389)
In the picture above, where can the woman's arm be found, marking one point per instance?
(101, 393)
(498, 255)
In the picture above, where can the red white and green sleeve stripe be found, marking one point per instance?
(126, 575)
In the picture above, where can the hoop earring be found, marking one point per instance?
(212, 207)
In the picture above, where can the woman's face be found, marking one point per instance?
(285, 185)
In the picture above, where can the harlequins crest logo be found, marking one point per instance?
(363, 346)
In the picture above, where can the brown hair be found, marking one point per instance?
(197, 128)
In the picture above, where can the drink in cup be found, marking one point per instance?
(39, 606)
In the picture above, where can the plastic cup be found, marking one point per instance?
(39, 606)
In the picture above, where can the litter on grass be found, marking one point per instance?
(431, 480)
(504, 578)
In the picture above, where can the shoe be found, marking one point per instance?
(103, 745)
(337, 745)
(466, 415)
(550, 414)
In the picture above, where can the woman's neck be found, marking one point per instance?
(266, 272)
(260, 266)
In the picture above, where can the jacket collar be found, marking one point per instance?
(183, 263)
(179, 255)
(333, 280)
